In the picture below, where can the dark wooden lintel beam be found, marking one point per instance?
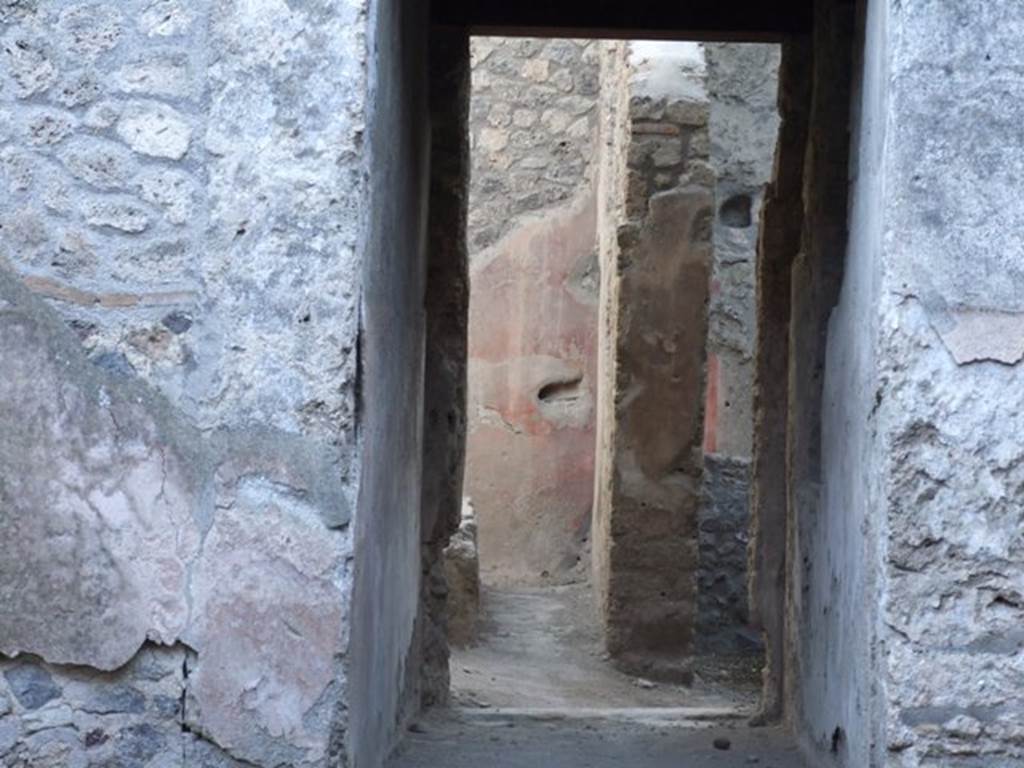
(704, 20)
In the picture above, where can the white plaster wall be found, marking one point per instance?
(387, 546)
(840, 670)
(916, 648)
(951, 404)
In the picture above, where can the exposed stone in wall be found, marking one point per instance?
(533, 126)
(943, 196)
(742, 86)
(658, 275)
(533, 313)
(724, 535)
(462, 570)
(183, 188)
(121, 150)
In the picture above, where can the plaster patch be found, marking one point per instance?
(979, 335)
(94, 558)
(269, 609)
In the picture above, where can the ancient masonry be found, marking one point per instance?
(225, 451)
(533, 314)
(178, 329)
(655, 270)
(742, 89)
(533, 237)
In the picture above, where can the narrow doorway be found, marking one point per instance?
(598, 573)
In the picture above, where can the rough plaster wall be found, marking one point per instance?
(182, 187)
(615, 131)
(533, 307)
(826, 570)
(779, 243)
(385, 675)
(658, 280)
(921, 448)
(950, 413)
(840, 671)
(743, 88)
(447, 303)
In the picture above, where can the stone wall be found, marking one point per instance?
(903, 646)
(742, 87)
(180, 250)
(657, 274)
(533, 308)
(446, 364)
(940, 140)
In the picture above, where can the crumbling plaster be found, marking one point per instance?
(742, 82)
(656, 265)
(742, 89)
(181, 241)
(949, 413)
(534, 305)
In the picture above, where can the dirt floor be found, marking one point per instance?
(462, 740)
(537, 691)
(541, 649)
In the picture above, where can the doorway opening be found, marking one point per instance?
(644, 163)
(599, 567)
(659, 400)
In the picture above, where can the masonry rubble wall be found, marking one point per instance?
(181, 243)
(743, 125)
(941, 110)
(533, 309)
(656, 272)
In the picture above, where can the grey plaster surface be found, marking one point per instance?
(951, 414)
(458, 740)
(183, 197)
(388, 517)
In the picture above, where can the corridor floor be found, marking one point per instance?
(541, 648)
(536, 691)
(463, 740)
